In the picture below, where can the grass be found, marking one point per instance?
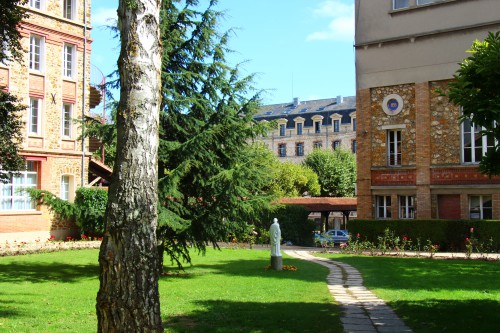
(224, 291)
(459, 296)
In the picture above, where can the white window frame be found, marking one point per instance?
(480, 208)
(300, 128)
(425, 2)
(299, 149)
(406, 207)
(12, 196)
(69, 61)
(71, 15)
(282, 129)
(37, 53)
(394, 147)
(282, 150)
(336, 125)
(67, 187)
(396, 4)
(37, 4)
(479, 144)
(383, 205)
(67, 120)
(35, 116)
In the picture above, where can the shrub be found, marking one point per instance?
(294, 224)
(91, 205)
(449, 235)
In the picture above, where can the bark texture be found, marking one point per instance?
(128, 298)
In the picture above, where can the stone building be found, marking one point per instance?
(53, 81)
(302, 126)
(415, 159)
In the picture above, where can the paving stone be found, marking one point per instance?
(356, 321)
(357, 328)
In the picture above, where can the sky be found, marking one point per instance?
(296, 48)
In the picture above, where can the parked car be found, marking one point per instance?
(337, 236)
(321, 239)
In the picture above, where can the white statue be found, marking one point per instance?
(275, 235)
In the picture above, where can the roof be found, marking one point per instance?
(323, 204)
(330, 105)
(100, 169)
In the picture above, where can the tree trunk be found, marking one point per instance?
(128, 299)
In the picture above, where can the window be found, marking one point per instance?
(299, 128)
(12, 196)
(480, 207)
(69, 60)
(406, 207)
(354, 124)
(317, 127)
(69, 9)
(36, 4)
(282, 150)
(282, 129)
(336, 144)
(67, 114)
(394, 148)
(354, 146)
(317, 144)
(424, 2)
(383, 206)
(35, 114)
(474, 144)
(36, 53)
(299, 149)
(336, 125)
(399, 4)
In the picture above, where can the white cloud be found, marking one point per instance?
(341, 26)
(104, 16)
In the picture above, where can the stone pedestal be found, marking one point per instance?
(277, 263)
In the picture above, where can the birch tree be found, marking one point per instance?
(128, 297)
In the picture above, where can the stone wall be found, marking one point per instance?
(379, 119)
(445, 126)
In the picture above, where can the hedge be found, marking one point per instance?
(450, 235)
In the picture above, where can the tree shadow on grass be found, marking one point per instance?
(278, 317)
(16, 272)
(306, 271)
(437, 315)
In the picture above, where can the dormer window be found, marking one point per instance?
(317, 120)
(299, 125)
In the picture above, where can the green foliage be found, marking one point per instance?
(87, 211)
(294, 224)
(212, 180)
(293, 180)
(11, 14)
(449, 235)
(475, 89)
(11, 135)
(336, 171)
(105, 133)
(91, 205)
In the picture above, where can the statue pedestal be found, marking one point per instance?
(277, 263)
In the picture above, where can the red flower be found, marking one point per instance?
(471, 230)
(358, 235)
(404, 238)
(467, 239)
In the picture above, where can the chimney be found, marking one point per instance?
(296, 101)
(340, 99)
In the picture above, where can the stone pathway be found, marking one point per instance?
(362, 311)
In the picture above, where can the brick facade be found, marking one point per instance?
(54, 154)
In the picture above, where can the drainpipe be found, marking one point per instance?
(84, 87)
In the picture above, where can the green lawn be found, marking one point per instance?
(435, 295)
(224, 291)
